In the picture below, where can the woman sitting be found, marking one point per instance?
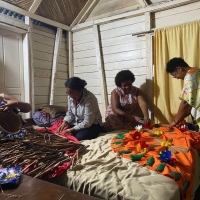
(83, 116)
(128, 107)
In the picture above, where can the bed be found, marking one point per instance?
(100, 172)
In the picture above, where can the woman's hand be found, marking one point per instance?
(146, 120)
(10, 102)
(68, 130)
(60, 128)
(172, 124)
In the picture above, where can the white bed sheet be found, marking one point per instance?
(101, 173)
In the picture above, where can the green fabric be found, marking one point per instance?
(161, 167)
(150, 161)
(177, 176)
(125, 152)
(186, 185)
(136, 157)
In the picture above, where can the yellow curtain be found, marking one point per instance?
(179, 41)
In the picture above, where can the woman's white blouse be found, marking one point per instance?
(85, 113)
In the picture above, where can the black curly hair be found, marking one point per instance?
(75, 83)
(122, 76)
(174, 63)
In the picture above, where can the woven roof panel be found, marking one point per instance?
(63, 11)
(25, 4)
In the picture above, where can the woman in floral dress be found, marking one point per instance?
(128, 106)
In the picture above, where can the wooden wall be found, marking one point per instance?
(85, 62)
(175, 16)
(43, 41)
(121, 50)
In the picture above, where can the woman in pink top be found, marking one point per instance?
(128, 106)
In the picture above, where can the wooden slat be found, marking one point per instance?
(35, 5)
(44, 32)
(42, 56)
(85, 61)
(84, 39)
(121, 40)
(40, 82)
(85, 69)
(63, 60)
(43, 39)
(41, 99)
(60, 99)
(84, 54)
(127, 64)
(100, 66)
(42, 64)
(124, 56)
(55, 63)
(126, 30)
(62, 67)
(42, 47)
(71, 60)
(83, 47)
(122, 23)
(136, 71)
(42, 91)
(124, 47)
(84, 75)
(43, 73)
(62, 75)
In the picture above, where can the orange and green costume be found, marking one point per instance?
(145, 149)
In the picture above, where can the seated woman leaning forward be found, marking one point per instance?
(128, 107)
(83, 116)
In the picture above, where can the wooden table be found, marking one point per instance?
(36, 189)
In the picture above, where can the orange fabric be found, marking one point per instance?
(185, 161)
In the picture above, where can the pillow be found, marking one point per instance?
(54, 111)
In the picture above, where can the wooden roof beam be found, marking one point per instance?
(33, 16)
(143, 3)
(35, 6)
(87, 9)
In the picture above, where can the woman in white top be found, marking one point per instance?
(83, 116)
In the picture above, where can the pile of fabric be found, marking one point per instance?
(170, 153)
(47, 115)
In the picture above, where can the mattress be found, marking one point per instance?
(101, 173)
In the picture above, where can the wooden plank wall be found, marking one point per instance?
(85, 62)
(62, 74)
(43, 40)
(107, 8)
(176, 16)
(121, 50)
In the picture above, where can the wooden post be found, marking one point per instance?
(71, 62)
(100, 66)
(55, 63)
(28, 68)
(149, 63)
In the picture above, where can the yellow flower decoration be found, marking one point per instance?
(166, 144)
(158, 132)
